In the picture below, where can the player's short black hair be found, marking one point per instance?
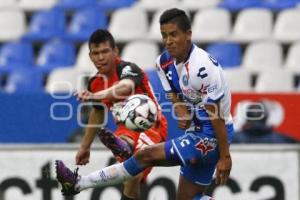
(177, 16)
(100, 36)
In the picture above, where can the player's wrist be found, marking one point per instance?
(84, 147)
(225, 156)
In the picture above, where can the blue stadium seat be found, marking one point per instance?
(115, 4)
(54, 54)
(155, 83)
(16, 55)
(237, 5)
(73, 5)
(24, 81)
(45, 25)
(277, 5)
(228, 54)
(84, 22)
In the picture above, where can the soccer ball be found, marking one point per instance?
(139, 113)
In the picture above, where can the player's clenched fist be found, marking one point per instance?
(183, 115)
(84, 95)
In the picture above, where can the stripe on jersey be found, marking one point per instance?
(167, 64)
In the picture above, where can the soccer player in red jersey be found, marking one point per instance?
(115, 81)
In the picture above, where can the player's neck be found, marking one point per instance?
(111, 72)
(185, 55)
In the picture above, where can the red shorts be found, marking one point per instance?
(156, 134)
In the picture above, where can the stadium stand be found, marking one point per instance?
(32, 5)
(237, 5)
(146, 56)
(16, 55)
(154, 5)
(278, 5)
(73, 5)
(262, 56)
(55, 54)
(278, 80)
(154, 33)
(239, 79)
(83, 62)
(287, 26)
(211, 25)
(8, 4)
(111, 5)
(64, 81)
(25, 81)
(46, 25)
(12, 23)
(195, 5)
(252, 25)
(84, 22)
(128, 24)
(292, 61)
(228, 54)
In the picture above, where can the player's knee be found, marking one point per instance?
(145, 156)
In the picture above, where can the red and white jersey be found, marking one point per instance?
(125, 70)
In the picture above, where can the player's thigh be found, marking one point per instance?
(188, 190)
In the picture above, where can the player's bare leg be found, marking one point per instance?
(188, 190)
(114, 174)
(132, 186)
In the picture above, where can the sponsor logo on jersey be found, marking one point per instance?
(206, 145)
(191, 95)
(203, 89)
(169, 75)
(127, 71)
(212, 88)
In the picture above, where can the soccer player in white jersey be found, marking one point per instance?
(201, 98)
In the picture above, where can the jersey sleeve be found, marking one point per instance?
(131, 71)
(207, 79)
(215, 90)
(162, 76)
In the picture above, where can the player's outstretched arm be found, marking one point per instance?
(224, 164)
(120, 90)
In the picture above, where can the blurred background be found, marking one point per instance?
(44, 59)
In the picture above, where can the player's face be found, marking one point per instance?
(104, 57)
(176, 41)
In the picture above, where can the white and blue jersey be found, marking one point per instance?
(199, 80)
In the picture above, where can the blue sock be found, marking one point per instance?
(132, 166)
(202, 197)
